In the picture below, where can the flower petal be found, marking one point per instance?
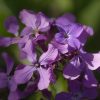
(28, 18)
(72, 70)
(22, 76)
(49, 56)
(29, 49)
(44, 22)
(11, 24)
(89, 79)
(44, 78)
(14, 95)
(3, 80)
(9, 62)
(63, 96)
(92, 60)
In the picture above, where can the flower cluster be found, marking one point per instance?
(46, 44)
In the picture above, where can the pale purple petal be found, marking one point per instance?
(3, 80)
(44, 78)
(12, 84)
(9, 62)
(74, 30)
(73, 42)
(22, 76)
(49, 56)
(5, 41)
(29, 49)
(28, 18)
(65, 20)
(26, 31)
(11, 24)
(62, 48)
(59, 37)
(44, 23)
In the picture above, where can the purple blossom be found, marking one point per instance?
(43, 66)
(78, 92)
(6, 80)
(70, 32)
(82, 63)
(38, 22)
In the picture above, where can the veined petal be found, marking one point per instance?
(28, 18)
(29, 49)
(62, 48)
(74, 42)
(23, 75)
(49, 56)
(11, 24)
(44, 78)
(44, 23)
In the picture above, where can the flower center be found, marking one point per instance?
(37, 65)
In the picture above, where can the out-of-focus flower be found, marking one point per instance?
(6, 80)
(77, 91)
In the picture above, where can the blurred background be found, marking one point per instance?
(86, 12)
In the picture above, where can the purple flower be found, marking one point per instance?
(38, 22)
(6, 80)
(77, 92)
(43, 66)
(71, 32)
(82, 63)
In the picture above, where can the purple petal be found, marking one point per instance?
(26, 31)
(63, 48)
(88, 30)
(90, 93)
(5, 41)
(3, 80)
(72, 70)
(22, 76)
(11, 24)
(9, 62)
(44, 78)
(63, 96)
(29, 49)
(65, 20)
(14, 96)
(12, 84)
(92, 60)
(44, 22)
(89, 79)
(28, 18)
(49, 56)
(74, 30)
(74, 42)
(59, 37)
(74, 86)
